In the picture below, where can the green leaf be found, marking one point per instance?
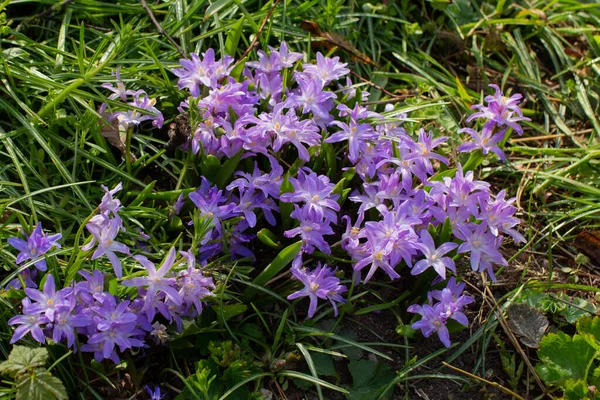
(573, 314)
(564, 357)
(40, 385)
(23, 359)
(269, 238)
(233, 37)
(210, 167)
(230, 310)
(280, 261)
(369, 380)
(589, 325)
(576, 390)
(143, 194)
(215, 7)
(527, 322)
(324, 364)
(227, 170)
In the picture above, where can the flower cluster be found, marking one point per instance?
(105, 227)
(499, 114)
(400, 215)
(318, 284)
(106, 321)
(435, 315)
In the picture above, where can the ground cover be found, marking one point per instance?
(424, 64)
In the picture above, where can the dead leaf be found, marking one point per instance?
(527, 322)
(588, 243)
(111, 132)
(332, 40)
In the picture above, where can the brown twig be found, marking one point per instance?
(259, 32)
(494, 384)
(161, 31)
(513, 339)
(376, 86)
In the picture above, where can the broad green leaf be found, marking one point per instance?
(576, 390)
(564, 357)
(210, 167)
(573, 314)
(230, 310)
(369, 380)
(589, 325)
(40, 385)
(23, 359)
(227, 170)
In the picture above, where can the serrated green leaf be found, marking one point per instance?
(23, 359)
(576, 390)
(564, 357)
(40, 385)
(589, 325)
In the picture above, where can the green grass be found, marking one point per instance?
(437, 55)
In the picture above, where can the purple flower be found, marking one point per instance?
(286, 58)
(108, 203)
(312, 99)
(130, 118)
(156, 282)
(92, 289)
(35, 246)
(478, 243)
(105, 236)
(111, 314)
(119, 91)
(48, 299)
(326, 70)
(26, 277)
(356, 134)
(266, 63)
(209, 200)
(422, 150)
(29, 323)
(179, 204)
(66, 322)
(269, 184)
(154, 394)
(316, 192)
(193, 285)
(486, 141)
(501, 111)
(498, 215)
(434, 257)
(207, 72)
(121, 335)
(376, 254)
(318, 284)
(432, 320)
(311, 230)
